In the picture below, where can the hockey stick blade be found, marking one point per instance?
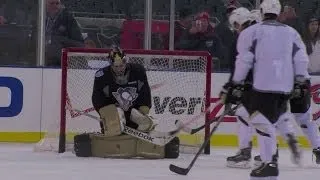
(179, 170)
(195, 130)
(185, 171)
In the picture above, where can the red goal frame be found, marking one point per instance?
(64, 68)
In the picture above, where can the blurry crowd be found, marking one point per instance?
(218, 38)
(200, 34)
(196, 29)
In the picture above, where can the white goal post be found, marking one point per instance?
(180, 84)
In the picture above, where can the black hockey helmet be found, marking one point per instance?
(117, 56)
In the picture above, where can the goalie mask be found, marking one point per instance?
(119, 65)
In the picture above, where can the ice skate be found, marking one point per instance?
(257, 159)
(316, 153)
(241, 160)
(266, 171)
(295, 150)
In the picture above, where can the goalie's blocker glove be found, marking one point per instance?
(231, 93)
(301, 87)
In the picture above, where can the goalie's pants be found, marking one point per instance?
(129, 123)
(301, 105)
(271, 105)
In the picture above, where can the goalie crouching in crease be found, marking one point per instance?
(121, 95)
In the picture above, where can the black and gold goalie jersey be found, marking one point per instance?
(133, 94)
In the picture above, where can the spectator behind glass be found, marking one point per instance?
(226, 33)
(17, 40)
(182, 25)
(289, 17)
(201, 37)
(312, 41)
(2, 20)
(90, 40)
(62, 31)
(20, 12)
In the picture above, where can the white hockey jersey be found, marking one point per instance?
(276, 53)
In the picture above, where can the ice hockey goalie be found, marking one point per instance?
(122, 97)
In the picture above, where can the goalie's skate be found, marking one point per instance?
(241, 160)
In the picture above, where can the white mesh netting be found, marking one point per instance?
(178, 87)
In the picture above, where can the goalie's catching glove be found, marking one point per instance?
(231, 93)
(301, 87)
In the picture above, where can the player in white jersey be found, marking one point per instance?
(279, 61)
(300, 106)
(240, 19)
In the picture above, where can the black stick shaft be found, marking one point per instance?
(185, 171)
(195, 130)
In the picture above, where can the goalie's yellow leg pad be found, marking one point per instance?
(123, 146)
(113, 119)
(149, 150)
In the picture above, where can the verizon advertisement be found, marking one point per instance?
(30, 100)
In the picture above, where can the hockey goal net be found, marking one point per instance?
(180, 89)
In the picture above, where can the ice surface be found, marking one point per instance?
(19, 162)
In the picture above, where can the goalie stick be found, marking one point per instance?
(185, 171)
(195, 130)
(161, 141)
(177, 130)
(184, 126)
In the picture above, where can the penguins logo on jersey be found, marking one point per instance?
(125, 97)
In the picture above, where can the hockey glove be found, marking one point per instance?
(145, 123)
(144, 110)
(231, 93)
(301, 87)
